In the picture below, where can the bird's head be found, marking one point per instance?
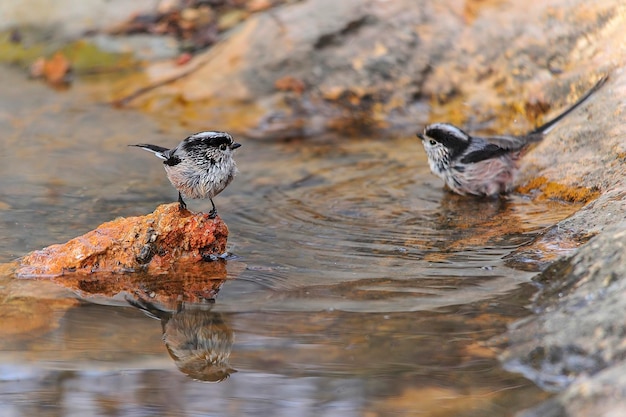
(443, 142)
(209, 143)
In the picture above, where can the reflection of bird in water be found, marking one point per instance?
(198, 339)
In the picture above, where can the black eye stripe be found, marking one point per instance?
(456, 141)
(445, 137)
(488, 152)
(194, 143)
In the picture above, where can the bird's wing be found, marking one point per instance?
(513, 143)
(487, 151)
(494, 146)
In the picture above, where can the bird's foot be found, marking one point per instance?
(209, 257)
(181, 204)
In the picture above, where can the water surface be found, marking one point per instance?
(360, 287)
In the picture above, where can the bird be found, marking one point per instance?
(483, 166)
(198, 339)
(200, 166)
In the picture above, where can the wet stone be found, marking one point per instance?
(161, 255)
(153, 243)
(576, 342)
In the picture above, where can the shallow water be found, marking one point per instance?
(360, 287)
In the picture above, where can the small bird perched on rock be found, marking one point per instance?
(482, 166)
(200, 166)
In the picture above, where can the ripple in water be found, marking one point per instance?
(364, 226)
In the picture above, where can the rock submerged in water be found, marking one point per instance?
(154, 243)
(160, 255)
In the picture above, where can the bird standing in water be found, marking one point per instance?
(482, 166)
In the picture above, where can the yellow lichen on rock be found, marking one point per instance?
(552, 190)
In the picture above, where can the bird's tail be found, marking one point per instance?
(159, 151)
(545, 128)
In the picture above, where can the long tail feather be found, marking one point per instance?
(545, 128)
(159, 151)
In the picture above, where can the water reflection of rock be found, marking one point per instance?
(198, 339)
(168, 255)
(194, 284)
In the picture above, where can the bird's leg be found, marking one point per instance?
(183, 206)
(213, 211)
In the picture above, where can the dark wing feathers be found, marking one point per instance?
(487, 152)
(512, 143)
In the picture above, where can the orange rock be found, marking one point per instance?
(167, 239)
(159, 257)
(55, 70)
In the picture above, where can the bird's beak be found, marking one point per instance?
(235, 145)
(419, 135)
